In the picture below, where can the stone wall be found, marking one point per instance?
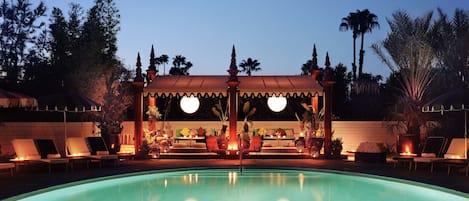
(352, 132)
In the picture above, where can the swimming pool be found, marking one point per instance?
(252, 184)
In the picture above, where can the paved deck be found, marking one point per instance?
(33, 178)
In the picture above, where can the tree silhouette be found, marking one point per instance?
(351, 22)
(180, 66)
(367, 21)
(163, 59)
(249, 65)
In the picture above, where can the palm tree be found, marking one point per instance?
(163, 59)
(180, 66)
(367, 22)
(249, 65)
(351, 22)
(407, 52)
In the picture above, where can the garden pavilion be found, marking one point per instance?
(234, 86)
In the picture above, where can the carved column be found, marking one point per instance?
(138, 103)
(327, 83)
(233, 83)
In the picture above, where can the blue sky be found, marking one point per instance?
(278, 33)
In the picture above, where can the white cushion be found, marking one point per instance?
(53, 156)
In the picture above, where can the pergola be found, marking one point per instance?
(234, 86)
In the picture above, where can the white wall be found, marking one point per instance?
(352, 132)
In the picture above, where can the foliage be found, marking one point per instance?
(163, 59)
(351, 22)
(19, 24)
(306, 67)
(409, 55)
(221, 113)
(248, 110)
(250, 65)
(367, 22)
(359, 23)
(180, 66)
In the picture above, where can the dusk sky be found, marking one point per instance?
(278, 33)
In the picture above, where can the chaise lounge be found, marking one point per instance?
(80, 148)
(30, 151)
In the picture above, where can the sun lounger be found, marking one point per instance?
(431, 152)
(433, 147)
(455, 155)
(8, 166)
(99, 150)
(80, 148)
(40, 150)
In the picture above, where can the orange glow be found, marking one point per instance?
(151, 101)
(232, 146)
(18, 159)
(407, 149)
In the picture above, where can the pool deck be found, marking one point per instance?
(33, 178)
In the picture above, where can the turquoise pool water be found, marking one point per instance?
(253, 184)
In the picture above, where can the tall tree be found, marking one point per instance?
(163, 59)
(250, 65)
(367, 22)
(306, 67)
(407, 53)
(18, 31)
(351, 22)
(180, 66)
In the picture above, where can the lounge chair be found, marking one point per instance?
(8, 166)
(432, 151)
(100, 152)
(431, 145)
(455, 156)
(40, 150)
(79, 148)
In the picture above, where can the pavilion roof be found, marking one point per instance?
(215, 85)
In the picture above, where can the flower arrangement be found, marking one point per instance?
(262, 131)
(153, 111)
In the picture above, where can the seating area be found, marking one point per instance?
(436, 152)
(90, 149)
(35, 151)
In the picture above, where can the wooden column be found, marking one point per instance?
(138, 103)
(314, 74)
(233, 83)
(327, 83)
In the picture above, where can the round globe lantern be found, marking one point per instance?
(277, 103)
(189, 104)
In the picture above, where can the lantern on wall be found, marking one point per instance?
(189, 104)
(277, 103)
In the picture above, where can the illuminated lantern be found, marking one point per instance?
(189, 104)
(277, 103)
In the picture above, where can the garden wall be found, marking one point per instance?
(352, 132)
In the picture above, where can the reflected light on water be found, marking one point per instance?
(301, 180)
(232, 177)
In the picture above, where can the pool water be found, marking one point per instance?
(252, 184)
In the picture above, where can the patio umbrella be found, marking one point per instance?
(67, 102)
(10, 99)
(453, 101)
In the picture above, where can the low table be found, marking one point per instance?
(405, 158)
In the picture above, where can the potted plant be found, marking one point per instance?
(336, 147)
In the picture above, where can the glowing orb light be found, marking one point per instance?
(189, 104)
(277, 103)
